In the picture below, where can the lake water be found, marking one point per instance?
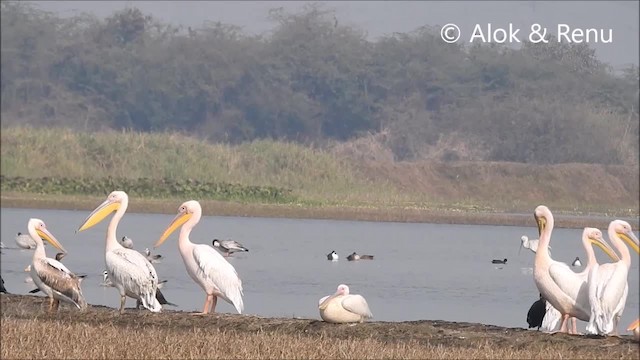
(420, 271)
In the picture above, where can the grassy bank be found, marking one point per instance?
(331, 177)
(99, 333)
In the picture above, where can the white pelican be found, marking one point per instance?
(355, 257)
(228, 247)
(576, 262)
(342, 307)
(608, 286)
(333, 256)
(564, 289)
(51, 276)
(129, 271)
(209, 269)
(126, 242)
(24, 241)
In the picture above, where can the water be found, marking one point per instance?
(420, 271)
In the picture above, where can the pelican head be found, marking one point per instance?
(185, 212)
(342, 290)
(112, 203)
(41, 232)
(541, 215)
(624, 231)
(595, 237)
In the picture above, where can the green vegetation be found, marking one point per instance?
(312, 81)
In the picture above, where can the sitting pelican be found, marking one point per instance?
(576, 262)
(228, 247)
(154, 259)
(355, 257)
(565, 290)
(342, 307)
(129, 271)
(494, 261)
(209, 269)
(126, 242)
(333, 256)
(51, 276)
(608, 285)
(24, 241)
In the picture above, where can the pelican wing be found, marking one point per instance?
(357, 305)
(566, 279)
(221, 273)
(134, 272)
(607, 289)
(62, 281)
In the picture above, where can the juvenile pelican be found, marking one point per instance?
(228, 247)
(216, 276)
(51, 276)
(608, 286)
(129, 271)
(24, 241)
(565, 290)
(355, 257)
(333, 256)
(342, 307)
(126, 242)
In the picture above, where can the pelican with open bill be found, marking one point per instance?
(129, 271)
(50, 275)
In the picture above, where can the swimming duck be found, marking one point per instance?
(333, 256)
(495, 261)
(576, 262)
(355, 257)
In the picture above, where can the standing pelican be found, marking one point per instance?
(51, 276)
(228, 247)
(343, 307)
(608, 286)
(24, 241)
(565, 290)
(216, 276)
(129, 271)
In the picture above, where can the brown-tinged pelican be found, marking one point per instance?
(343, 307)
(209, 269)
(129, 271)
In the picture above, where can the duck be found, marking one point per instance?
(24, 241)
(343, 307)
(228, 247)
(576, 262)
(355, 257)
(333, 256)
(496, 261)
(126, 242)
(154, 259)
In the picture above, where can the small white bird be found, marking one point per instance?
(333, 256)
(228, 247)
(576, 262)
(343, 307)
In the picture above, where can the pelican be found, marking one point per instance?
(228, 247)
(126, 242)
(333, 256)
(159, 296)
(154, 259)
(129, 271)
(608, 286)
(576, 262)
(504, 261)
(209, 269)
(59, 257)
(564, 289)
(24, 241)
(355, 257)
(342, 307)
(51, 276)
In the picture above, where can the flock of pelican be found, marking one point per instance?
(596, 295)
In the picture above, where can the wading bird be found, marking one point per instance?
(333, 256)
(355, 257)
(215, 275)
(228, 247)
(343, 307)
(565, 290)
(129, 271)
(608, 285)
(51, 276)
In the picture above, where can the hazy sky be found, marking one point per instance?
(385, 17)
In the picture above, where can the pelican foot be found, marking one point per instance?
(199, 314)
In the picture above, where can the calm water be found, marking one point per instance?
(420, 271)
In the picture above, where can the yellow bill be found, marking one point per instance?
(634, 325)
(604, 246)
(631, 239)
(97, 215)
(180, 219)
(46, 235)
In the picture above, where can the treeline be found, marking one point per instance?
(313, 80)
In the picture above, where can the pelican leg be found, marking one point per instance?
(123, 300)
(205, 309)
(214, 302)
(563, 327)
(50, 305)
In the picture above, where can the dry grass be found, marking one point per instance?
(27, 333)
